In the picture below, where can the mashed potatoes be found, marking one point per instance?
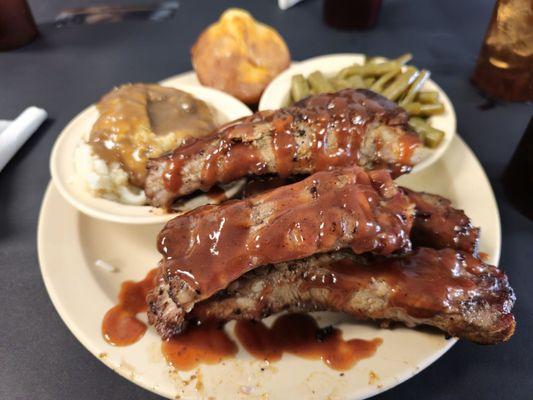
(105, 180)
(137, 122)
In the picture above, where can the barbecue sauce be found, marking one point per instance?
(284, 145)
(212, 246)
(299, 334)
(120, 326)
(205, 343)
(423, 283)
(208, 343)
(262, 184)
(331, 126)
(438, 225)
(225, 160)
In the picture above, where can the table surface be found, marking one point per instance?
(67, 69)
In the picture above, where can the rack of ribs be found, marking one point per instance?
(210, 247)
(438, 225)
(447, 289)
(315, 268)
(322, 132)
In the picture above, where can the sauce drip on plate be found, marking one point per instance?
(206, 343)
(120, 326)
(300, 335)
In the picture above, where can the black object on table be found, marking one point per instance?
(66, 69)
(349, 14)
(17, 26)
(518, 176)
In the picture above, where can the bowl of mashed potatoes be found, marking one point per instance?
(99, 160)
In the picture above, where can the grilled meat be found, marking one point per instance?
(438, 225)
(447, 289)
(208, 248)
(350, 127)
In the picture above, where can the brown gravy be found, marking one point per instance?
(120, 326)
(141, 121)
(299, 334)
(206, 343)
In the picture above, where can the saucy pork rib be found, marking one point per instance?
(350, 127)
(447, 289)
(210, 247)
(438, 225)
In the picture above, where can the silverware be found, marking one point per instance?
(116, 13)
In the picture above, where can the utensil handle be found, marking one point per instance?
(20, 130)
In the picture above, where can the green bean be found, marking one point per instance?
(415, 87)
(339, 83)
(377, 86)
(431, 109)
(402, 82)
(430, 136)
(368, 69)
(404, 59)
(423, 110)
(433, 138)
(412, 108)
(355, 82)
(380, 69)
(368, 82)
(299, 87)
(372, 60)
(318, 83)
(352, 82)
(351, 70)
(428, 97)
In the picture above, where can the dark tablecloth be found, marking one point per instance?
(67, 69)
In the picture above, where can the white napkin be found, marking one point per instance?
(284, 4)
(13, 134)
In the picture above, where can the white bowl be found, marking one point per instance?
(277, 93)
(73, 189)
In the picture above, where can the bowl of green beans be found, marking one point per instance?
(431, 113)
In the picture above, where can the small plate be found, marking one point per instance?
(276, 95)
(72, 188)
(82, 293)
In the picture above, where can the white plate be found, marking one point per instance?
(277, 93)
(72, 188)
(82, 293)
